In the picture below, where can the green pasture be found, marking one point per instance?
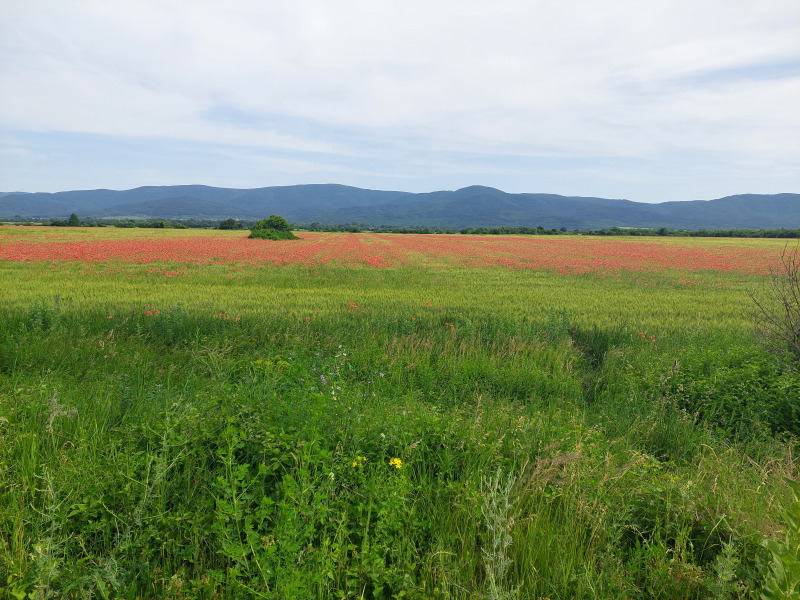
(406, 432)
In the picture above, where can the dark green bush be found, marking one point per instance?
(274, 228)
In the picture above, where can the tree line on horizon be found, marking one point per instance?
(237, 224)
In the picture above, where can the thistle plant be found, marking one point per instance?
(498, 514)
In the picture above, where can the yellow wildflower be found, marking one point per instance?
(396, 463)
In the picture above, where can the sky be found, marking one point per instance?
(648, 100)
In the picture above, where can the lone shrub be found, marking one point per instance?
(777, 311)
(274, 228)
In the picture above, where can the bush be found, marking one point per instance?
(271, 234)
(274, 228)
(777, 313)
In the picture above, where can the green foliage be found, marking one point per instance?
(274, 222)
(230, 223)
(783, 581)
(175, 452)
(271, 234)
(279, 223)
(498, 514)
(156, 224)
(558, 324)
(778, 309)
(169, 327)
(42, 314)
(736, 388)
(712, 233)
(274, 228)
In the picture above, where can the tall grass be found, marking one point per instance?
(522, 440)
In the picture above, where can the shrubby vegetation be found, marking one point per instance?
(73, 221)
(274, 228)
(664, 231)
(777, 312)
(398, 432)
(505, 230)
(240, 224)
(230, 223)
(294, 460)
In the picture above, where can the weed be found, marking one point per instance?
(557, 324)
(498, 515)
(43, 315)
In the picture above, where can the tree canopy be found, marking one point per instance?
(274, 228)
(230, 223)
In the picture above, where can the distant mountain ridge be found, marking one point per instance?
(474, 206)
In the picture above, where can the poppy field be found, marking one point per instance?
(194, 414)
(565, 255)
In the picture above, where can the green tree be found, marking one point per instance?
(74, 221)
(274, 228)
(279, 223)
(230, 223)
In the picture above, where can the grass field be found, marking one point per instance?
(189, 413)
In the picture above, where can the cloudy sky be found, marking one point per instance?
(650, 100)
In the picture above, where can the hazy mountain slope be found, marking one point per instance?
(474, 206)
(185, 207)
(300, 200)
(34, 206)
(740, 211)
(487, 207)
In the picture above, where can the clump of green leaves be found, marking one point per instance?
(274, 228)
(42, 315)
(783, 581)
(269, 365)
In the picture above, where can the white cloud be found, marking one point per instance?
(579, 78)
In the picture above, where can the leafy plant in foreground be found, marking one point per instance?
(783, 582)
(498, 512)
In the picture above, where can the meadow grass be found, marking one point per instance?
(436, 431)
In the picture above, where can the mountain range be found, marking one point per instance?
(474, 206)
